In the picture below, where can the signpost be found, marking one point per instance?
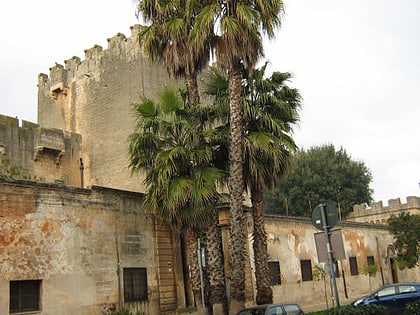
(324, 217)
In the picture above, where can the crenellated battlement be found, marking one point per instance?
(378, 213)
(44, 152)
(93, 96)
(95, 60)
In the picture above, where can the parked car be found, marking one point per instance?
(273, 309)
(395, 297)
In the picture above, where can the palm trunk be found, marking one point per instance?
(192, 86)
(216, 270)
(262, 276)
(192, 244)
(237, 261)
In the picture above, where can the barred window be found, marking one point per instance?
(370, 260)
(135, 284)
(306, 269)
(354, 270)
(274, 272)
(25, 296)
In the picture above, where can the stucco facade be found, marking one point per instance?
(78, 243)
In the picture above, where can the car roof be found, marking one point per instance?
(265, 306)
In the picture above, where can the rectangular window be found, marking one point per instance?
(370, 260)
(274, 272)
(25, 296)
(135, 284)
(354, 270)
(337, 271)
(306, 269)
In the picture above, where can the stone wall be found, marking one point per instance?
(46, 154)
(379, 214)
(77, 241)
(93, 97)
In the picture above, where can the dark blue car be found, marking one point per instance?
(395, 297)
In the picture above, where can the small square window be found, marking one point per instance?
(25, 296)
(274, 272)
(306, 269)
(354, 270)
(135, 284)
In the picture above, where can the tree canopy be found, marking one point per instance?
(320, 174)
(406, 230)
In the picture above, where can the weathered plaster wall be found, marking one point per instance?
(291, 240)
(68, 238)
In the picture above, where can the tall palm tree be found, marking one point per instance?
(235, 28)
(181, 180)
(271, 109)
(166, 40)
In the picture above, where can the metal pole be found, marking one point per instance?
(200, 265)
(330, 254)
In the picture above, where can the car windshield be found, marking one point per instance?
(292, 309)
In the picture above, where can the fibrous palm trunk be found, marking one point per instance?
(237, 261)
(216, 269)
(262, 276)
(192, 245)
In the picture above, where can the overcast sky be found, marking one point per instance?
(356, 63)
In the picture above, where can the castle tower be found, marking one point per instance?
(93, 97)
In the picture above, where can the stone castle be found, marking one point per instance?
(80, 236)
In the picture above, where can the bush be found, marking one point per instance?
(124, 312)
(354, 310)
(413, 308)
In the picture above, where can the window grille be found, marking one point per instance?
(306, 269)
(24, 296)
(274, 272)
(354, 270)
(135, 284)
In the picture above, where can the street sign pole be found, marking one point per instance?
(330, 254)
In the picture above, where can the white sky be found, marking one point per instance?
(356, 63)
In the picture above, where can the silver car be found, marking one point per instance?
(273, 309)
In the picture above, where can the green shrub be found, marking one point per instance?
(125, 311)
(413, 308)
(354, 310)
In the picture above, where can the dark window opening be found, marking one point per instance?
(135, 284)
(274, 272)
(25, 296)
(306, 269)
(354, 270)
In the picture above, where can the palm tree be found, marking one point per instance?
(271, 108)
(180, 181)
(237, 41)
(166, 40)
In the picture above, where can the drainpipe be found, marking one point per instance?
(120, 304)
(81, 167)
